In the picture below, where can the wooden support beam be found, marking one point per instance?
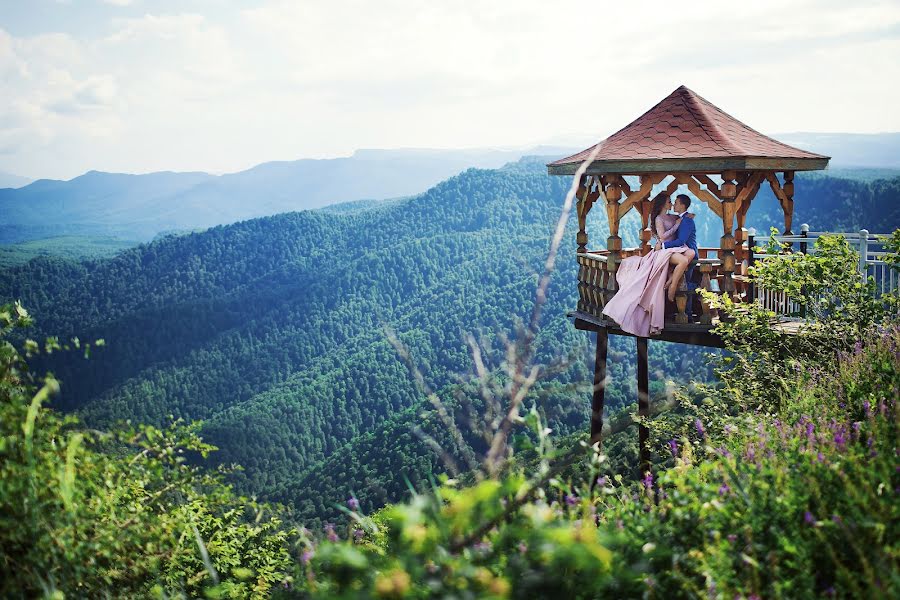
(786, 200)
(745, 196)
(597, 398)
(705, 196)
(613, 243)
(582, 209)
(634, 197)
(643, 386)
(726, 242)
(708, 182)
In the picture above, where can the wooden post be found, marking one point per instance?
(643, 386)
(804, 233)
(584, 207)
(613, 242)
(788, 188)
(599, 392)
(751, 251)
(705, 284)
(728, 192)
(645, 207)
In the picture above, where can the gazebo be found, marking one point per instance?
(684, 142)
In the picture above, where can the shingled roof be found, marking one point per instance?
(686, 132)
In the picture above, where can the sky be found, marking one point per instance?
(214, 85)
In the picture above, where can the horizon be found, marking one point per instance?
(524, 150)
(135, 86)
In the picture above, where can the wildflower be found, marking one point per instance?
(329, 533)
(648, 481)
(673, 447)
(808, 518)
(358, 534)
(698, 425)
(571, 500)
(523, 547)
(867, 408)
(820, 457)
(353, 503)
(724, 489)
(601, 481)
(306, 556)
(839, 439)
(732, 538)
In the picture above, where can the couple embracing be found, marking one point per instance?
(645, 282)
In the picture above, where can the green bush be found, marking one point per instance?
(90, 514)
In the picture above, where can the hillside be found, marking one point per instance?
(273, 330)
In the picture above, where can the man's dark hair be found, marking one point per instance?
(685, 200)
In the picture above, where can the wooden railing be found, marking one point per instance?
(596, 284)
(871, 264)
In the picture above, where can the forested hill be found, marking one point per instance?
(273, 330)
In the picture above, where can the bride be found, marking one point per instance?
(644, 282)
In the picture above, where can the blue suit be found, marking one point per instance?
(687, 236)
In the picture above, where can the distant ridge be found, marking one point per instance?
(9, 180)
(138, 207)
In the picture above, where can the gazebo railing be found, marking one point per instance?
(596, 285)
(872, 264)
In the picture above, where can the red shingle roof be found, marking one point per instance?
(686, 126)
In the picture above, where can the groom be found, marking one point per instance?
(686, 236)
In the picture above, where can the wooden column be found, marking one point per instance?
(728, 194)
(584, 207)
(643, 386)
(645, 206)
(613, 242)
(597, 398)
(788, 188)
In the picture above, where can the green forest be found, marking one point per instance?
(273, 332)
(778, 479)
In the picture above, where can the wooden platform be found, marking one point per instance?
(695, 334)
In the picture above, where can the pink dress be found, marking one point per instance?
(639, 305)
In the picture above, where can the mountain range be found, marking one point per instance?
(137, 208)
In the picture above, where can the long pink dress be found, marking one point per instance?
(639, 305)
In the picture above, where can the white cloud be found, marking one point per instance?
(226, 88)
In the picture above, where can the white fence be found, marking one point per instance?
(872, 264)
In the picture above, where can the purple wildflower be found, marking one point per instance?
(839, 438)
(648, 481)
(673, 447)
(732, 538)
(329, 533)
(601, 481)
(358, 534)
(820, 457)
(306, 556)
(353, 503)
(808, 518)
(698, 425)
(724, 489)
(867, 407)
(571, 500)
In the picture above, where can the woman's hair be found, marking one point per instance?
(659, 201)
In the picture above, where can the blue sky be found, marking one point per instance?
(215, 85)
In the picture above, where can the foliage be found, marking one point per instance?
(794, 501)
(88, 514)
(840, 310)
